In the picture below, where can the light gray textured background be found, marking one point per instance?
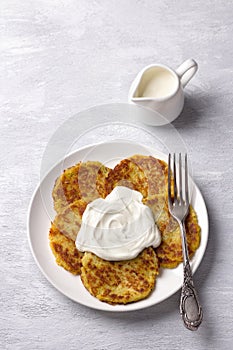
(60, 57)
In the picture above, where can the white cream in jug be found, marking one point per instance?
(118, 227)
(156, 82)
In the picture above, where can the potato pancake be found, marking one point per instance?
(170, 250)
(84, 181)
(120, 282)
(68, 221)
(65, 252)
(145, 174)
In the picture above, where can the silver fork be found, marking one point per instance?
(190, 308)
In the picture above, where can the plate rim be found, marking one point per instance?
(103, 306)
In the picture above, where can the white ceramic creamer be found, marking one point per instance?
(161, 89)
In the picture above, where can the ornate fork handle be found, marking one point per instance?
(190, 308)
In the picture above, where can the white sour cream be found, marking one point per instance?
(118, 227)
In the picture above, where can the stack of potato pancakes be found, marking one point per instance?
(117, 282)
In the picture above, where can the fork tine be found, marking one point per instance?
(186, 180)
(174, 175)
(169, 181)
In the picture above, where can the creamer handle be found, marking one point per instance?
(186, 71)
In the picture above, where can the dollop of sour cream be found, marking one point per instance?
(118, 227)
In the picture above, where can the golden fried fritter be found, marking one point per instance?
(145, 174)
(65, 251)
(128, 174)
(120, 282)
(82, 181)
(170, 250)
(68, 221)
(125, 281)
(158, 206)
(156, 172)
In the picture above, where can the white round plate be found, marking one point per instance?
(39, 219)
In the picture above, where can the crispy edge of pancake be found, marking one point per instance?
(145, 174)
(127, 173)
(120, 282)
(81, 181)
(68, 221)
(170, 250)
(59, 194)
(65, 251)
(156, 172)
